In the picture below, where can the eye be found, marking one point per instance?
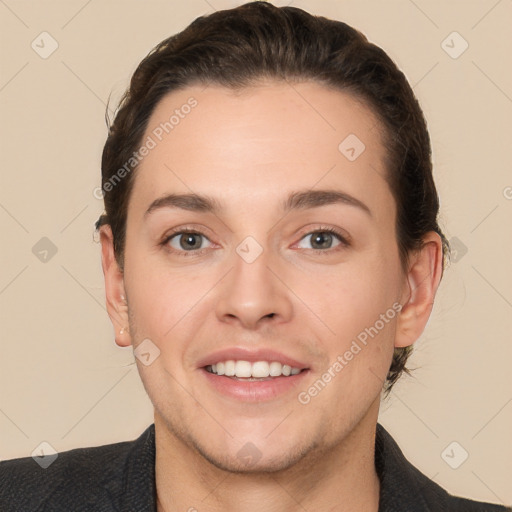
(323, 239)
(186, 241)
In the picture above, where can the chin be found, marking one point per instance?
(248, 459)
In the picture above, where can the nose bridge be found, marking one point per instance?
(252, 292)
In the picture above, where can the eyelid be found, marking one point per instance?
(185, 229)
(312, 228)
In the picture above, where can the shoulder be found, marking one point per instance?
(464, 505)
(404, 487)
(76, 480)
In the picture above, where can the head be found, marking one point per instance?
(254, 109)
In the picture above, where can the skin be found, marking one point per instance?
(249, 150)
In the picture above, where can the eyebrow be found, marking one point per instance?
(300, 200)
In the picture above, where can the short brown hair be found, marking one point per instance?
(238, 47)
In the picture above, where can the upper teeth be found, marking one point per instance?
(259, 369)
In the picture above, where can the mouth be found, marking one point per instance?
(256, 381)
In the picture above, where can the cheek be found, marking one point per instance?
(351, 295)
(166, 303)
(358, 304)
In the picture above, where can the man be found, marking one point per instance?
(271, 251)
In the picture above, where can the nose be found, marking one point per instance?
(253, 294)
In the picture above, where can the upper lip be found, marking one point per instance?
(244, 354)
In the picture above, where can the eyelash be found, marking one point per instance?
(344, 243)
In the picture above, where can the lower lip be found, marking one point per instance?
(252, 390)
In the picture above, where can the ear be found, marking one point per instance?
(117, 306)
(420, 287)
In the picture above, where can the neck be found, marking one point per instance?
(340, 477)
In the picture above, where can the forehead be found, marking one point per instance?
(253, 143)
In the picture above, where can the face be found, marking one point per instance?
(260, 229)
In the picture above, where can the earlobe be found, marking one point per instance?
(422, 282)
(117, 306)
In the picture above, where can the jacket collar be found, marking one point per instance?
(402, 486)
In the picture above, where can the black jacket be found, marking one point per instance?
(120, 477)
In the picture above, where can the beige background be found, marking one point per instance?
(64, 381)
